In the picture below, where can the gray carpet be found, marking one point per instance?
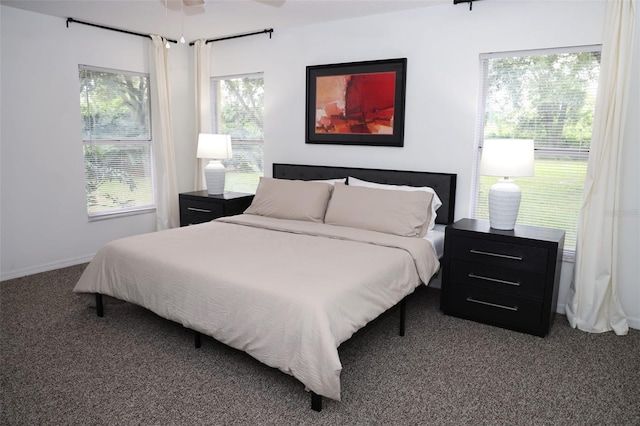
(61, 364)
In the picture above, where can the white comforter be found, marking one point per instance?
(286, 292)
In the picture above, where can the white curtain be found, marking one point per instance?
(203, 102)
(593, 302)
(167, 209)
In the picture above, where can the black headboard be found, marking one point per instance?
(443, 183)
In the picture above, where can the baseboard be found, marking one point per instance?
(45, 267)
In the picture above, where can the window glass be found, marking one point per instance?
(237, 105)
(548, 96)
(116, 134)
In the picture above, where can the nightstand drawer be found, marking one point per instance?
(198, 212)
(505, 280)
(497, 308)
(504, 255)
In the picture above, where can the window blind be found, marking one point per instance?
(237, 105)
(548, 96)
(116, 134)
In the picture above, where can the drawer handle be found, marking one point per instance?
(488, 253)
(194, 209)
(495, 305)
(495, 280)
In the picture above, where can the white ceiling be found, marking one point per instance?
(215, 18)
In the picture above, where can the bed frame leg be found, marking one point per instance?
(403, 315)
(99, 306)
(198, 339)
(316, 401)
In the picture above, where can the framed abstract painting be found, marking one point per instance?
(356, 103)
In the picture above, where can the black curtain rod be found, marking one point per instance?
(212, 40)
(464, 1)
(112, 29)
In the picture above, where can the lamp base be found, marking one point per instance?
(214, 175)
(504, 203)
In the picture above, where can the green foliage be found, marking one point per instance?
(114, 106)
(241, 108)
(247, 157)
(107, 163)
(239, 105)
(547, 98)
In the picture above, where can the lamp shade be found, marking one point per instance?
(214, 146)
(507, 157)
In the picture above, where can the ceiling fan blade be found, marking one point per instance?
(276, 3)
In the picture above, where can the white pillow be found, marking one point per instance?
(331, 181)
(435, 203)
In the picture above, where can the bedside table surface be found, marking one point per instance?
(520, 231)
(225, 196)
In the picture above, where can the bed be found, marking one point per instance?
(309, 263)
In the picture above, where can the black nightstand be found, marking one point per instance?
(509, 279)
(199, 206)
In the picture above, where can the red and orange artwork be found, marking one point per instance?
(355, 103)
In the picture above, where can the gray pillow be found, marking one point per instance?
(291, 199)
(433, 205)
(404, 213)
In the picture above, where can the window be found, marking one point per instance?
(116, 135)
(548, 96)
(237, 110)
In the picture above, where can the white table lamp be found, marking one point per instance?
(506, 158)
(215, 148)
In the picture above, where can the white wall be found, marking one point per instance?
(441, 43)
(43, 213)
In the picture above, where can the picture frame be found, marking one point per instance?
(356, 103)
